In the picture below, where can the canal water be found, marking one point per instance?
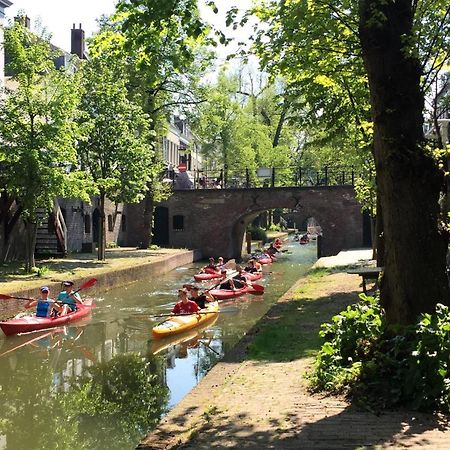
(104, 382)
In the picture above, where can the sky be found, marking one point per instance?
(58, 17)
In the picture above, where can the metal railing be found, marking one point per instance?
(230, 178)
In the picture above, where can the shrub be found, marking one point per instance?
(41, 271)
(274, 227)
(381, 367)
(258, 234)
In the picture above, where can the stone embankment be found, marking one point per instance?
(258, 398)
(122, 266)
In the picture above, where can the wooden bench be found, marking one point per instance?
(366, 273)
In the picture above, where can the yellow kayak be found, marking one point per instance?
(179, 323)
(188, 336)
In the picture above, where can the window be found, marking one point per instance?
(178, 223)
(124, 222)
(110, 223)
(87, 223)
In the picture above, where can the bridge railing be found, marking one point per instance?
(231, 178)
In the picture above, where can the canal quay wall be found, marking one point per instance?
(121, 267)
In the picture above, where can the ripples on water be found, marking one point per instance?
(104, 382)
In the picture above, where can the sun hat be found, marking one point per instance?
(45, 289)
(68, 283)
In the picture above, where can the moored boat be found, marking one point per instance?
(27, 324)
(182, 322)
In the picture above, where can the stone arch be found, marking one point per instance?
(216, 219)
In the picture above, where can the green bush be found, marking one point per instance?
(258, 234)
(380, 367)
(41, 271)
(274, 227)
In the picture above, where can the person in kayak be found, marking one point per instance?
(211, 265)
(45, 306)
(220, 263)
(227, 284)
(68, 298)
(272, 250)
(251, 266)
(184, 305)
(239, 279)
(200, 299)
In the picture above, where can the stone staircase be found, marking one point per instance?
(51, 234)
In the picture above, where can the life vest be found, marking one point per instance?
(43, 308)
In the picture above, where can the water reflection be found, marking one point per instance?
(105, 382)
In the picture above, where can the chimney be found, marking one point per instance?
(78, 42)
(24, 20)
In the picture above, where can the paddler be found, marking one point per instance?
(68, 297)
(226, 284)
(45, 306)
(240, 280)
(211, 265)
(184, 305)
(201, 299)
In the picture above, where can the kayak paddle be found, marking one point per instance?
(85, 285)
(194, 313)
(8, 297)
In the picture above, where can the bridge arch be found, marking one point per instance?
(215, 220)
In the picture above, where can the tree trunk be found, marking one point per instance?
(379, 235)
(102, 230)
(30, 244)
(147, 220)
(408, 179)
(277, 136)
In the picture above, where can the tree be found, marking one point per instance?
(165, 44)
(117, 150)
(409, 181)
(331, 50)
(37, 130)
(243, 129)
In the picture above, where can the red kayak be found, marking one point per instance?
(265, 260)
(253, 276)
(33, 323)
(206, 276)
(224, 294)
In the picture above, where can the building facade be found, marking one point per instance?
(3, 5)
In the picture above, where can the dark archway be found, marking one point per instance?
(161, 226)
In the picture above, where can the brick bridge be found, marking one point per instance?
(214, 221)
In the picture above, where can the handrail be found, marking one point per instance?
(244, 178)
(60, 227)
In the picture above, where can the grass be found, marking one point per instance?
(290, 330)
(13, 277)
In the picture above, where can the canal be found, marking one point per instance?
(104, 383)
